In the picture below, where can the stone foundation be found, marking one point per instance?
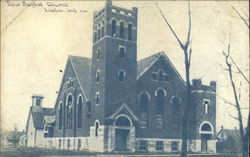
(98, 144)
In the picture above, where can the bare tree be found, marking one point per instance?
(246, 21)
(236, 97)
(244, 137)
(187, 50)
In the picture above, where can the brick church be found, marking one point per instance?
(112, 102)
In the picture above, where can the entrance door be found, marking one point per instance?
(204, 140)
(121, 137)
(203, 145)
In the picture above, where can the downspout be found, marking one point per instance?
(35, 139)
(75, 108)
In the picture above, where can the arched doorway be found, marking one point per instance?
(122, 129)
(206, 132)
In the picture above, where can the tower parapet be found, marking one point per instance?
(117, 10)
(204, 105)
(198, 86)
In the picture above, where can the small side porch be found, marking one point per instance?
(120, 131)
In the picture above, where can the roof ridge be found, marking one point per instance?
(78, 56)
(47, 107)
(158, 53)
(77, 76)
(155, 57)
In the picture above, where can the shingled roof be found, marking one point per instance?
(82, 67)
(38, 116)
(234, 133)
(144, 64)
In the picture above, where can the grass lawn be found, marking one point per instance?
(39, 152)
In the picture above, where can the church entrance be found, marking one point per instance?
(204, 140)
(206, 135)
(121, 138)
(123, 127)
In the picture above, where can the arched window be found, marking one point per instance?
(144, 100)
(102, 29)
(206, 103)
(160, 75)
(122, 121)
(95, 37)
(113, 31)
(176, 101)
(122, 30)
(143, 104)
(95, 34)
(69, 111)
(160, 101)
(129, 31)
(176, 121)
(96, 128)
(97, 75)
(99, 34)
(98, 53)
(97, 98)
(79, 112)
(70, 82)
(206, 127)
(60, 115)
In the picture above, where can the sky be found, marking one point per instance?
(35, 45)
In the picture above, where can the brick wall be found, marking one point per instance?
(173, 88)
(75, 91)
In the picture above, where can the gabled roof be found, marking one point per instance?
(145, 64)
(235, 134)
(82, 68)
(124, 107)
(38, 116)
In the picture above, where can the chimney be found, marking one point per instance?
(37, 100)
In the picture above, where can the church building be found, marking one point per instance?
(112, 102)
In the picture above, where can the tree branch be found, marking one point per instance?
(170, 27)
(239, 70)
(190, 56)
(244, 20)
(230, 103)
(235, 97)
(239, 92)
(233, 117)
(189, 26)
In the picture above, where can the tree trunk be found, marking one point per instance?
(238, 110)
(186, 111)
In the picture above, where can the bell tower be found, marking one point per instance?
(114, 60)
